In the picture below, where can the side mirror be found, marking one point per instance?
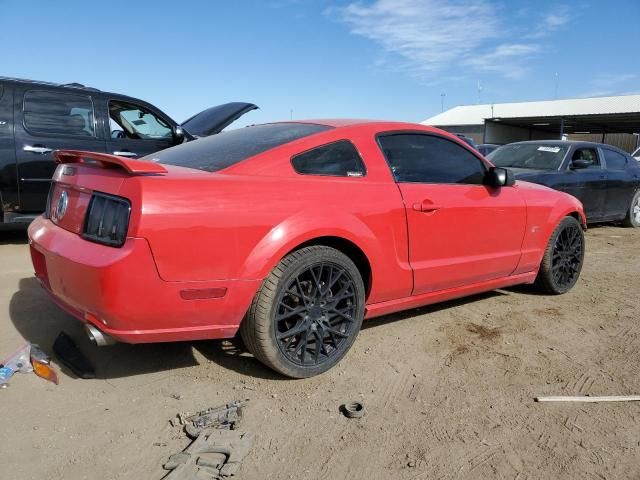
(579, 164)
(499, 177)
(178, 135)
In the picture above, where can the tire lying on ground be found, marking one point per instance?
(307, 313)
(563, 258)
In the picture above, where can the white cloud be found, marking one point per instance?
(605, 84)
(431, 36)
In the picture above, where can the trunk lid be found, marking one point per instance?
(84, 196)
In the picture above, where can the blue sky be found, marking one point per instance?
(386, 59)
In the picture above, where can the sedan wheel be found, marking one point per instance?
(562, 262)
(307, 314)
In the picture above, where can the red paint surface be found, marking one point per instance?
(198, 231)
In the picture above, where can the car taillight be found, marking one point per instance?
(107, 220)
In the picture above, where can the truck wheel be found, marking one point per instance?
(563, 258)
(307, 313)
(633, 215)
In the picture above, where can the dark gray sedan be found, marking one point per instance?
(604, 178)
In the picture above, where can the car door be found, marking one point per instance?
(622, 182)
(589, 185)
(460, 231)
(136, 129)
(47, 120)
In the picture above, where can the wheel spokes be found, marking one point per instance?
(316, 313)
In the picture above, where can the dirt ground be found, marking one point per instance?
(448, 389)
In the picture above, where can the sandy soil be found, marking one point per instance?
(448, 389)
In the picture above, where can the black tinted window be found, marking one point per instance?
(227, 148)
(58, 113)
(430, 159)
(615, 160)
(338, 159)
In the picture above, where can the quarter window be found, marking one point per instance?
(615, 160)
(430, 159)
(54, 113)
(340, 159)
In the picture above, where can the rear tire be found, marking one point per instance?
(307, 313)
(563, 258)
(633, 214)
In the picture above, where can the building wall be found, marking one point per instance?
(502, 134)
(476, 132)
(626, 141)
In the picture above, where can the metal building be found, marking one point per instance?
(612, 120)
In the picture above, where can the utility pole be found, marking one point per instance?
(291, 114)
(442, 95)
(479, 92)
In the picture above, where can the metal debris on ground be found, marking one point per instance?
(587, 399)
(214, 455)
(218, 448)
(222, 417)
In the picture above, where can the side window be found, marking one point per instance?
(588, 154)
(430, 159)
(339, 159)
(615, 160)
(56, 113)
(127, 120)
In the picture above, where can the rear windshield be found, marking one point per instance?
(528, 155)
(228, 148)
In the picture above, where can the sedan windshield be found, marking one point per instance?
(228, 148)
(527, 155)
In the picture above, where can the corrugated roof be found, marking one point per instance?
(476, 114)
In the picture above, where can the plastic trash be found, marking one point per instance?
(19, 361)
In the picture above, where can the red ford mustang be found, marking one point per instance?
(293, 233)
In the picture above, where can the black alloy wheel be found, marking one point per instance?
(307, 313)
(316, 314)
(563, 258)
(566, 261)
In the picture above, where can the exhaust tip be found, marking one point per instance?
(97, 337)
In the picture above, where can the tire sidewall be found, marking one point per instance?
(567, 221)
(324, 255)
(632, 222)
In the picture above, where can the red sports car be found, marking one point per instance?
(293, 233)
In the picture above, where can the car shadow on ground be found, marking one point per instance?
(39, 320)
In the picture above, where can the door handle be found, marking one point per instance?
(36, 149)
(426, 206)
(125, 153)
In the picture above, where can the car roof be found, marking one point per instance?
(579, 143)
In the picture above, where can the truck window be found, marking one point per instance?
(57, 113)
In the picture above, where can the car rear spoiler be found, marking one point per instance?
(133, 167)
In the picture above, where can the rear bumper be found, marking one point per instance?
(120, 292)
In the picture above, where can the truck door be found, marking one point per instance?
(46, 120)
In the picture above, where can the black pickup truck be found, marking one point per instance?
(37, 118)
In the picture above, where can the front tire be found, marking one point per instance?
(633, 215)
(307, 313)
(563, 258)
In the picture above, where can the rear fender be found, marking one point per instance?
(302, 228)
